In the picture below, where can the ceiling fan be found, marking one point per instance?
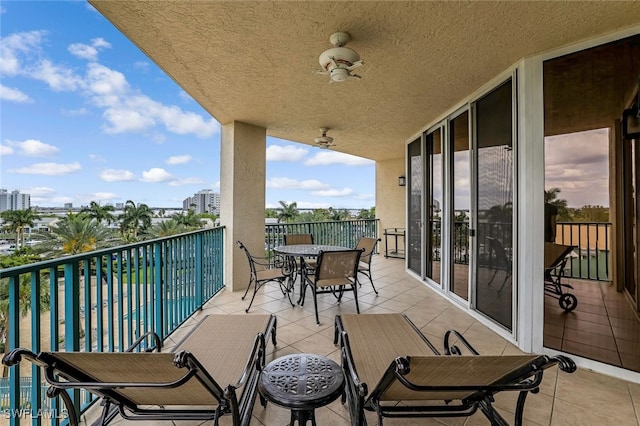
(324, 141)
(339, 61)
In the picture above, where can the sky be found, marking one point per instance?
(578, 164)
(86, 116)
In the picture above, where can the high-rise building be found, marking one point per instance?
(14, 200)
(204, 201)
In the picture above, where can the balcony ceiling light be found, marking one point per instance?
(339, 61)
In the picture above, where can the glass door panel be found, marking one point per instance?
(461, 196)
(494, 189)
(433, 153)
(414, 200)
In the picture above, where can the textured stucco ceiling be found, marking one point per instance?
(254, 61)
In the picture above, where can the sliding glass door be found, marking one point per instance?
(461, 203)
(434, 204)
(414, 200)
(494, 204)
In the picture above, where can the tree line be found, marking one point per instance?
(87, 230)
(289, 212)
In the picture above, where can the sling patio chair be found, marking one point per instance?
(391, 368)
(268, 269)
(295, 239)
(212, 372)
(368, 247)
(335, 273)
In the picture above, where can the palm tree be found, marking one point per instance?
(99, 213)
(24, 304)
(135, 218)
(75, 234)
(165, 229)
(339, 214)
(288, 212)
(189, 220)
(17, 220)
(551, 197)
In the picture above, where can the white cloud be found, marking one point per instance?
(287, 183)
(156, 175)
(13, 49)
(124, 109)
(179, 159)
(185, 96)
(38, 191)
(103, 196)
(187, 181)
(74, 112)
(34, 148)
(6, 150)
(14, 95)
(89, 52)
(141, 65)
(326, 158)
(288, 153)
(97, 158)
(58, 78)
(333, 192)
(114, 175)
(49, 169)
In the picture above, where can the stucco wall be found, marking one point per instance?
(390, 198)
(242, 182)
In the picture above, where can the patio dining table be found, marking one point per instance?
(305, 250)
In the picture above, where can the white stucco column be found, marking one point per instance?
(242, 197)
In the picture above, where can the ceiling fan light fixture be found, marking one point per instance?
(324, 141)
(339, 61)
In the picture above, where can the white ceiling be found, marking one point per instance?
(254, 61)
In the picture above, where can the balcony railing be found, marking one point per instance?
(344, 233)
(103, 301)
(591, 256)
(106, 299)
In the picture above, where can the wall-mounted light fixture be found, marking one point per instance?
(402, 181)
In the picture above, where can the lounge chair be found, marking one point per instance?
(212, 372)
(391, 368)
(556, 257)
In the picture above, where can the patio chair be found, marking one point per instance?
(291, 239)
(391, 368)
(265, 269)
(498, 261)
(556, 257)
(335, 271)
(213, 372)
(295, 239)
(368, 247)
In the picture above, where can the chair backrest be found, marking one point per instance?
(292, 239)
(337, 265)
(367, 245)
(252, 263)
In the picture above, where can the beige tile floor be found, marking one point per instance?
(582, 398)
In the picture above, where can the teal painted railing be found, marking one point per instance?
(344, 233)
(102, 301)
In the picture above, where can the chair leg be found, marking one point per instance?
(315, 303)
(368, 275)
(247, 290)
(255, 290)
(354, 286)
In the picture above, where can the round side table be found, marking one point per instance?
(301, 383)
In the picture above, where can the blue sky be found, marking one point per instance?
(86, 116)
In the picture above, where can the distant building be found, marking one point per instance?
(14, 200)
(204, 201)
(68, 206)
(119, 206)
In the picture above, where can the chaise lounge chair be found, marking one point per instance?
(212, 372)
(391, 368)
